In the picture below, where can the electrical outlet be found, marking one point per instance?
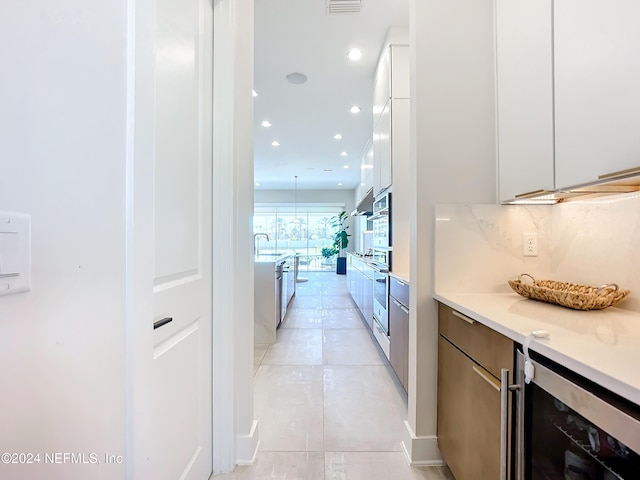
(529, 244)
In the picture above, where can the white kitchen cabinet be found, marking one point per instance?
(391, 145)
(366, 172)
(597, 88)
(568, 100)
(391, 82)
(360, 281)
(382, 83)
(401, 174)
(382, 150)
(367, 294)
(524, 96)
(391, 79)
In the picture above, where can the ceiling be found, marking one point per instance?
(298, 36)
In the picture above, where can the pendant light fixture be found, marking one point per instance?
(295, 220)
(297, 223)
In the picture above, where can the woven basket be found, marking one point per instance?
(571, 295)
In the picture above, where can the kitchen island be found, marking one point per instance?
(273, 289)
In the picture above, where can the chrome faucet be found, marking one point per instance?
(256, 242)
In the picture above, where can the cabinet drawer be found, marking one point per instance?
(399, 290)
(485, 346)
(468, 416)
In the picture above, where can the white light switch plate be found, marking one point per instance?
(15, 253)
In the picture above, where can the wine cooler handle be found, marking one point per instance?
(504, 421)
(505, 389)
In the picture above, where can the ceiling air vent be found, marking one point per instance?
(340, 7)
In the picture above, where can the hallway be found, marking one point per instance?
(329, 405)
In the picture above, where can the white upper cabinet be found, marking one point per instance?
(400, 83)
(568, 92)
(366, 172)
(382, 150)
(391, 82)
(392, 73)
(382, 83)
(524, 96)
(597, 88)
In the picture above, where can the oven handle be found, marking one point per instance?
(379, 214)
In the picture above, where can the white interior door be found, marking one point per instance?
(181, 372)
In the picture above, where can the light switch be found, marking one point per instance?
(15, 253)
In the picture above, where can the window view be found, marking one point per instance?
(305, 229)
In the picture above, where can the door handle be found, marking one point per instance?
(162, 322)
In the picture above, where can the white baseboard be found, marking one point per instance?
(248, 446)
(421, 451)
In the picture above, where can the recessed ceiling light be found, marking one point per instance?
(339, 184)
(265, 124)
(354, 54)
(345, 166)
(254, 93)
(297, 78)
(343, 154)
(337, 136)
(257, 184)
(275, 143)
(355, 109)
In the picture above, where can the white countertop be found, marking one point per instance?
(601, 345)
(272, 257)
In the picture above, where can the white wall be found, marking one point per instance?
(62, 160)
(452, 160)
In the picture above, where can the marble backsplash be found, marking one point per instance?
(479, 247)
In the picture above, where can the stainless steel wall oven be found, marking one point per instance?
(381, 220)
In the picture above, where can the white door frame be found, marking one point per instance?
(235, 433)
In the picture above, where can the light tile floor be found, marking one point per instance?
(329, 405)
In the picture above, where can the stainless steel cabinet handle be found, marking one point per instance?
(487, 377)
(404, 309)
(621, 173)
(397, 304)
(470, 321)
(531, 194)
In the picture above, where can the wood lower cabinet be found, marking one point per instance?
(470, 357)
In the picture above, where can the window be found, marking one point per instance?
(304, 228)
